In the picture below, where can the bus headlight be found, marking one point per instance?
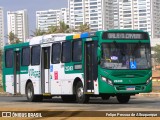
(110, 82)
(106, 80)
(103, 78)
(149, 80)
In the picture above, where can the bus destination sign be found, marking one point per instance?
(125, 36)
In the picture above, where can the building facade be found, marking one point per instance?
(1, 28)
(47, 18)
(155, 11)
(138, 14)
(18, 24)
(98, 14)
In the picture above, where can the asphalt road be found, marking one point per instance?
(137, 103)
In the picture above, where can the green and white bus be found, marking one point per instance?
(77, 67)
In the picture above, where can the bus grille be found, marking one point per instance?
(125, 88)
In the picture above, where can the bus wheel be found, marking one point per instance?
(123, 98)
(80, 96)
(105, 97)
(30, 94)
(68, 98)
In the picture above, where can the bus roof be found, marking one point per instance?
(65, 36)
(48, 38)
(124, 30)
(16, 45)
(81, 35)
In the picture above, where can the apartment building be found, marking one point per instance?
(51, 17)
(138, 14)
(97, 13)
(1, 28)
(18, 24)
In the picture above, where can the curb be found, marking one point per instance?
(9, 94)
(152, 94)
(5, 94)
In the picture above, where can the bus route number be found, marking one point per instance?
(69, 68)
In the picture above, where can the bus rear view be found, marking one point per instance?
(125, 64)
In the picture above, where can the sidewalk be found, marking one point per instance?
(152, 94)
(5, 94)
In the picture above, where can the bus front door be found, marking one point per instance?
(16, 72)
(45, 70)
(91, 65)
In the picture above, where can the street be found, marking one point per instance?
(136, 103)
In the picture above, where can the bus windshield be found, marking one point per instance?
(126, 56)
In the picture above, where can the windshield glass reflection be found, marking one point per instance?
(125, 56)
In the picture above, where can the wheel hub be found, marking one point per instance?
(80, 92)
(29, 93)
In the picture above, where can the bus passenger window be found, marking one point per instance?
(66, 52)
(26, 56)
(56, 53)
(9, 58)
(77, 51)
(35, 55)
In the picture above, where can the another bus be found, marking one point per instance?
(77, 67)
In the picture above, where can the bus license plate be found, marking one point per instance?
(130, 88)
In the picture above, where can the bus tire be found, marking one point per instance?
(80, 96)
(123, 98)
(30, 94)
(68, 98)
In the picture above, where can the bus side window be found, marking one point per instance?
(26, 56)
(66, 52)
(9, 58)
(35, 55)
(56, 53)
(77, 51)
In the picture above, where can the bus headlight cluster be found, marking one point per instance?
(106, 80)
(149, 80)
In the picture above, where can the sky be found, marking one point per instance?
(32, 6)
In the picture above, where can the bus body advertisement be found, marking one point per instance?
(76, 67)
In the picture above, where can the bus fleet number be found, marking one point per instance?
(69, 68)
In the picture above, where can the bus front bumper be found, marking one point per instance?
(129, 89)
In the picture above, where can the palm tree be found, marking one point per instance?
(13, 39)
(38, 32)
(52, 29)
(83, 28)
(63, 28)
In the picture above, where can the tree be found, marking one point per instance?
(156, 54)
(83, 28)
(38, 32)
(63, 28)
(13, 39)
(52, 29)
